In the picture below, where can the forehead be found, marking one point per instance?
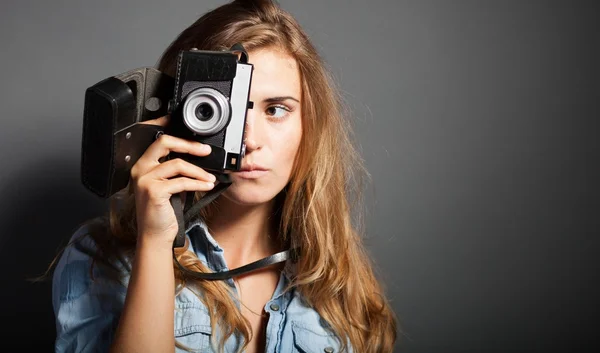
(275, 72)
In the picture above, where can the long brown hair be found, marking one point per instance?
(335, 275)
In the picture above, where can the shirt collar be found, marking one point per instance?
(211, 253)
(205, 246)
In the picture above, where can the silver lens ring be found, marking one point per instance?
(219, 104)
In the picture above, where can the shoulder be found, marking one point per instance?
(86, 300)
(73, 263)
(77, 271)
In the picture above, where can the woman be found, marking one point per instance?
(116, 285)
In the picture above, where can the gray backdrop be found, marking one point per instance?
(478, 121)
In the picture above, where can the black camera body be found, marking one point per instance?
(207, 102)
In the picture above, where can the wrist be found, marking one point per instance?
(150, 244)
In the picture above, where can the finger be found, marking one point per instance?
(179, 167)
(181, 184)
(161, 148)
(168, 143)
(162, 121)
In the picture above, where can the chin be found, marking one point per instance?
(249, 194)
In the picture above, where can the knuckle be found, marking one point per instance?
(180, 163)
(163, 139)
(139, 183)
(142, 185)
(134, 172)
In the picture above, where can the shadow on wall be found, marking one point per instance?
(42, 207)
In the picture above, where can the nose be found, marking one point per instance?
(251, 137)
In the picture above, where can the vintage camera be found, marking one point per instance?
(207, 102)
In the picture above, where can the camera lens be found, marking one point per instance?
(204, 112)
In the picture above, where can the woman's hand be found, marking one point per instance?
(154, 183)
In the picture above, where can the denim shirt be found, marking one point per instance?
(87, 306)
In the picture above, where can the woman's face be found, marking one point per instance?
(273, 131)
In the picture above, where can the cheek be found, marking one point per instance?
(287, 144)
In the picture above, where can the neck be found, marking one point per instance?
(246, 233)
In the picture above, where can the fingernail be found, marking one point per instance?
(212, 178)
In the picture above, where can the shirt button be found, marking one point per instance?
(328, 350)
(274, 307)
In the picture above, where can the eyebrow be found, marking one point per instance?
(280, 99)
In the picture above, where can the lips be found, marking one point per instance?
(251, 171)
(252, 167)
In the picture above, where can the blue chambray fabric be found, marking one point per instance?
(87, 306)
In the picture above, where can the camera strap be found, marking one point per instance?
(185, 214)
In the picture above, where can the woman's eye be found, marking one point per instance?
(277, 111)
